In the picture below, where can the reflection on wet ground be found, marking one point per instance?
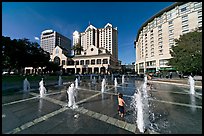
(171, 108)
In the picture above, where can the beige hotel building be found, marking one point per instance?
(99, 55)
(156, 36)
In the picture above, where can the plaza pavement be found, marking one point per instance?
(97, 113)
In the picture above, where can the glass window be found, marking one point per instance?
(184, 17)
(81, 62)
(77, 62)
(87, 62)
(198, 5)
(183, 9)
(105, 61)
(92, 61)
(98, 61)
(63, 62)
(170, 22)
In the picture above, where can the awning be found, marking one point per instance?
(167, 68)
(151, 70)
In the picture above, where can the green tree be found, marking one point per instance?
(187, 53)
(77, 49)
(21, 53)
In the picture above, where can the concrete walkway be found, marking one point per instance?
(110, 122)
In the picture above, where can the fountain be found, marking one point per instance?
(192, 84)
(145, 78)
(103, 84)
(140, 107)
(104, 76)
(91, 77)
(116, 83)
(42, 89)
(112, 77)
(72, 94)
(144, 87)
(60, 81)
(99, 78)
(26, 85)
(123, 79)
(77, 83)
(94, 80)
(79, 78)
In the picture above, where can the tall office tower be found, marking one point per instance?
(106, 38)
(156, 36)
(50, 39)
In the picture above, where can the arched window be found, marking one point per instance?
(57, 60)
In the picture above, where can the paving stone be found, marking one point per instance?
(78, 109)
(96, 115)
(103, 118)
(120, 123)
(15, 130)
(83, 111)
(27, 125)
(130, 127)
(90, 113)
(111, 120)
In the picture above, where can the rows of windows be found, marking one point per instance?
(88, 62)
(48, 37)
(169, 15)
(151, 63)
(163, 62)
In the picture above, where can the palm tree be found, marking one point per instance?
(77, 49)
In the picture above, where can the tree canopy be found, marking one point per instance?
(77, 49)
(20, 53)
(187, 53)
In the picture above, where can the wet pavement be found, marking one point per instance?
(173, 110)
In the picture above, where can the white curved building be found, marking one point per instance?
(156, 36)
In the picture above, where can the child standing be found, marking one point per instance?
(121, 103)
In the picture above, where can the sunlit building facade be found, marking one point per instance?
(156, 36)
(50, 39)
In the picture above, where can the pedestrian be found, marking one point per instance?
(121, 104)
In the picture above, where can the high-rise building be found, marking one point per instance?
(106, 38)
(99, 54)
(156, 36)
(50, 39)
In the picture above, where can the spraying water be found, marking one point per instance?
(72, 94)
(94, 80)
(116, 83)
(123, 79)
(79, 78)
(60, 81)
(103, 85)
(42, 89)
(91, 77)
(26, 85)
(112, 77)
(139, 109)
(77, 83)
(192, 84)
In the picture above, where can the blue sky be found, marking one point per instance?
(29, 19)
